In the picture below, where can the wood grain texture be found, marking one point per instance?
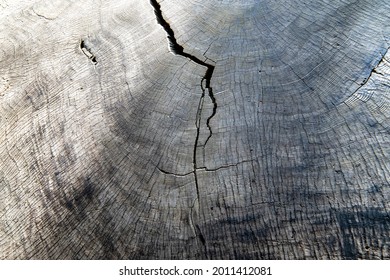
(115, 146)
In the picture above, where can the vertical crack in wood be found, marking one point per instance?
(177, 49)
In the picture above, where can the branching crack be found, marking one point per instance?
(179, 50)
(374, 70)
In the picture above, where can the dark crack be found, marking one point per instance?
(201, 237)
(177, 49)
(215, 106)
(205, 169)
(87, 52)
(41, 16)
(174, 174)
(365, 81)
(225, 166)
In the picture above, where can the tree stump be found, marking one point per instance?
(194, 129)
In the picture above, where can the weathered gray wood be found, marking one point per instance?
(116, 144)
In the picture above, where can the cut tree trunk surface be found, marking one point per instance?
(194, 129)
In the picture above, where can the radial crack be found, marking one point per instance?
(365, 81)
(179, 50)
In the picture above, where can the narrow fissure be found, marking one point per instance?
(365, 81)
(214, 101)
(177, 49)
(205, 169)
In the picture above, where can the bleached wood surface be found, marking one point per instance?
(111, 146)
